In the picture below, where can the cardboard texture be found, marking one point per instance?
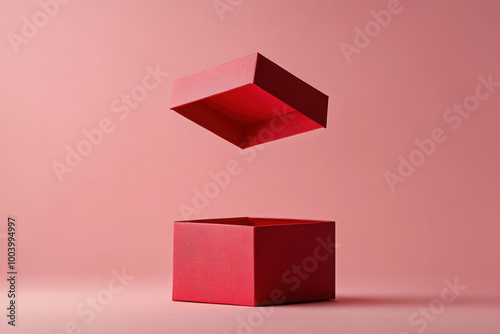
(253, 261)
(250, 101)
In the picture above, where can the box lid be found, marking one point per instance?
(250, 101)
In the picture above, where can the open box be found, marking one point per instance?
(253, 261)
(250, 101)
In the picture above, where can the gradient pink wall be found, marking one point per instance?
(117, 207)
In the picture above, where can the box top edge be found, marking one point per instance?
(254, 221)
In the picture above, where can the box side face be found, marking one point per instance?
(291, 90)
(294, 263)
(213, 263)
(213, 81)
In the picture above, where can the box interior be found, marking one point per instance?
(250, 221)
(247, 116)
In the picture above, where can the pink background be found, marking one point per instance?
(115, 210)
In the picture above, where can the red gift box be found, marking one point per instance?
(250, 101)
(253, 261)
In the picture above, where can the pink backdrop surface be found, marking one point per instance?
(114, 208)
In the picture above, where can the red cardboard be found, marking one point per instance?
(250, 101)
(253, 261)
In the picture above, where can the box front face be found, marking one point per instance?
(295, 263)
(213, 263)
